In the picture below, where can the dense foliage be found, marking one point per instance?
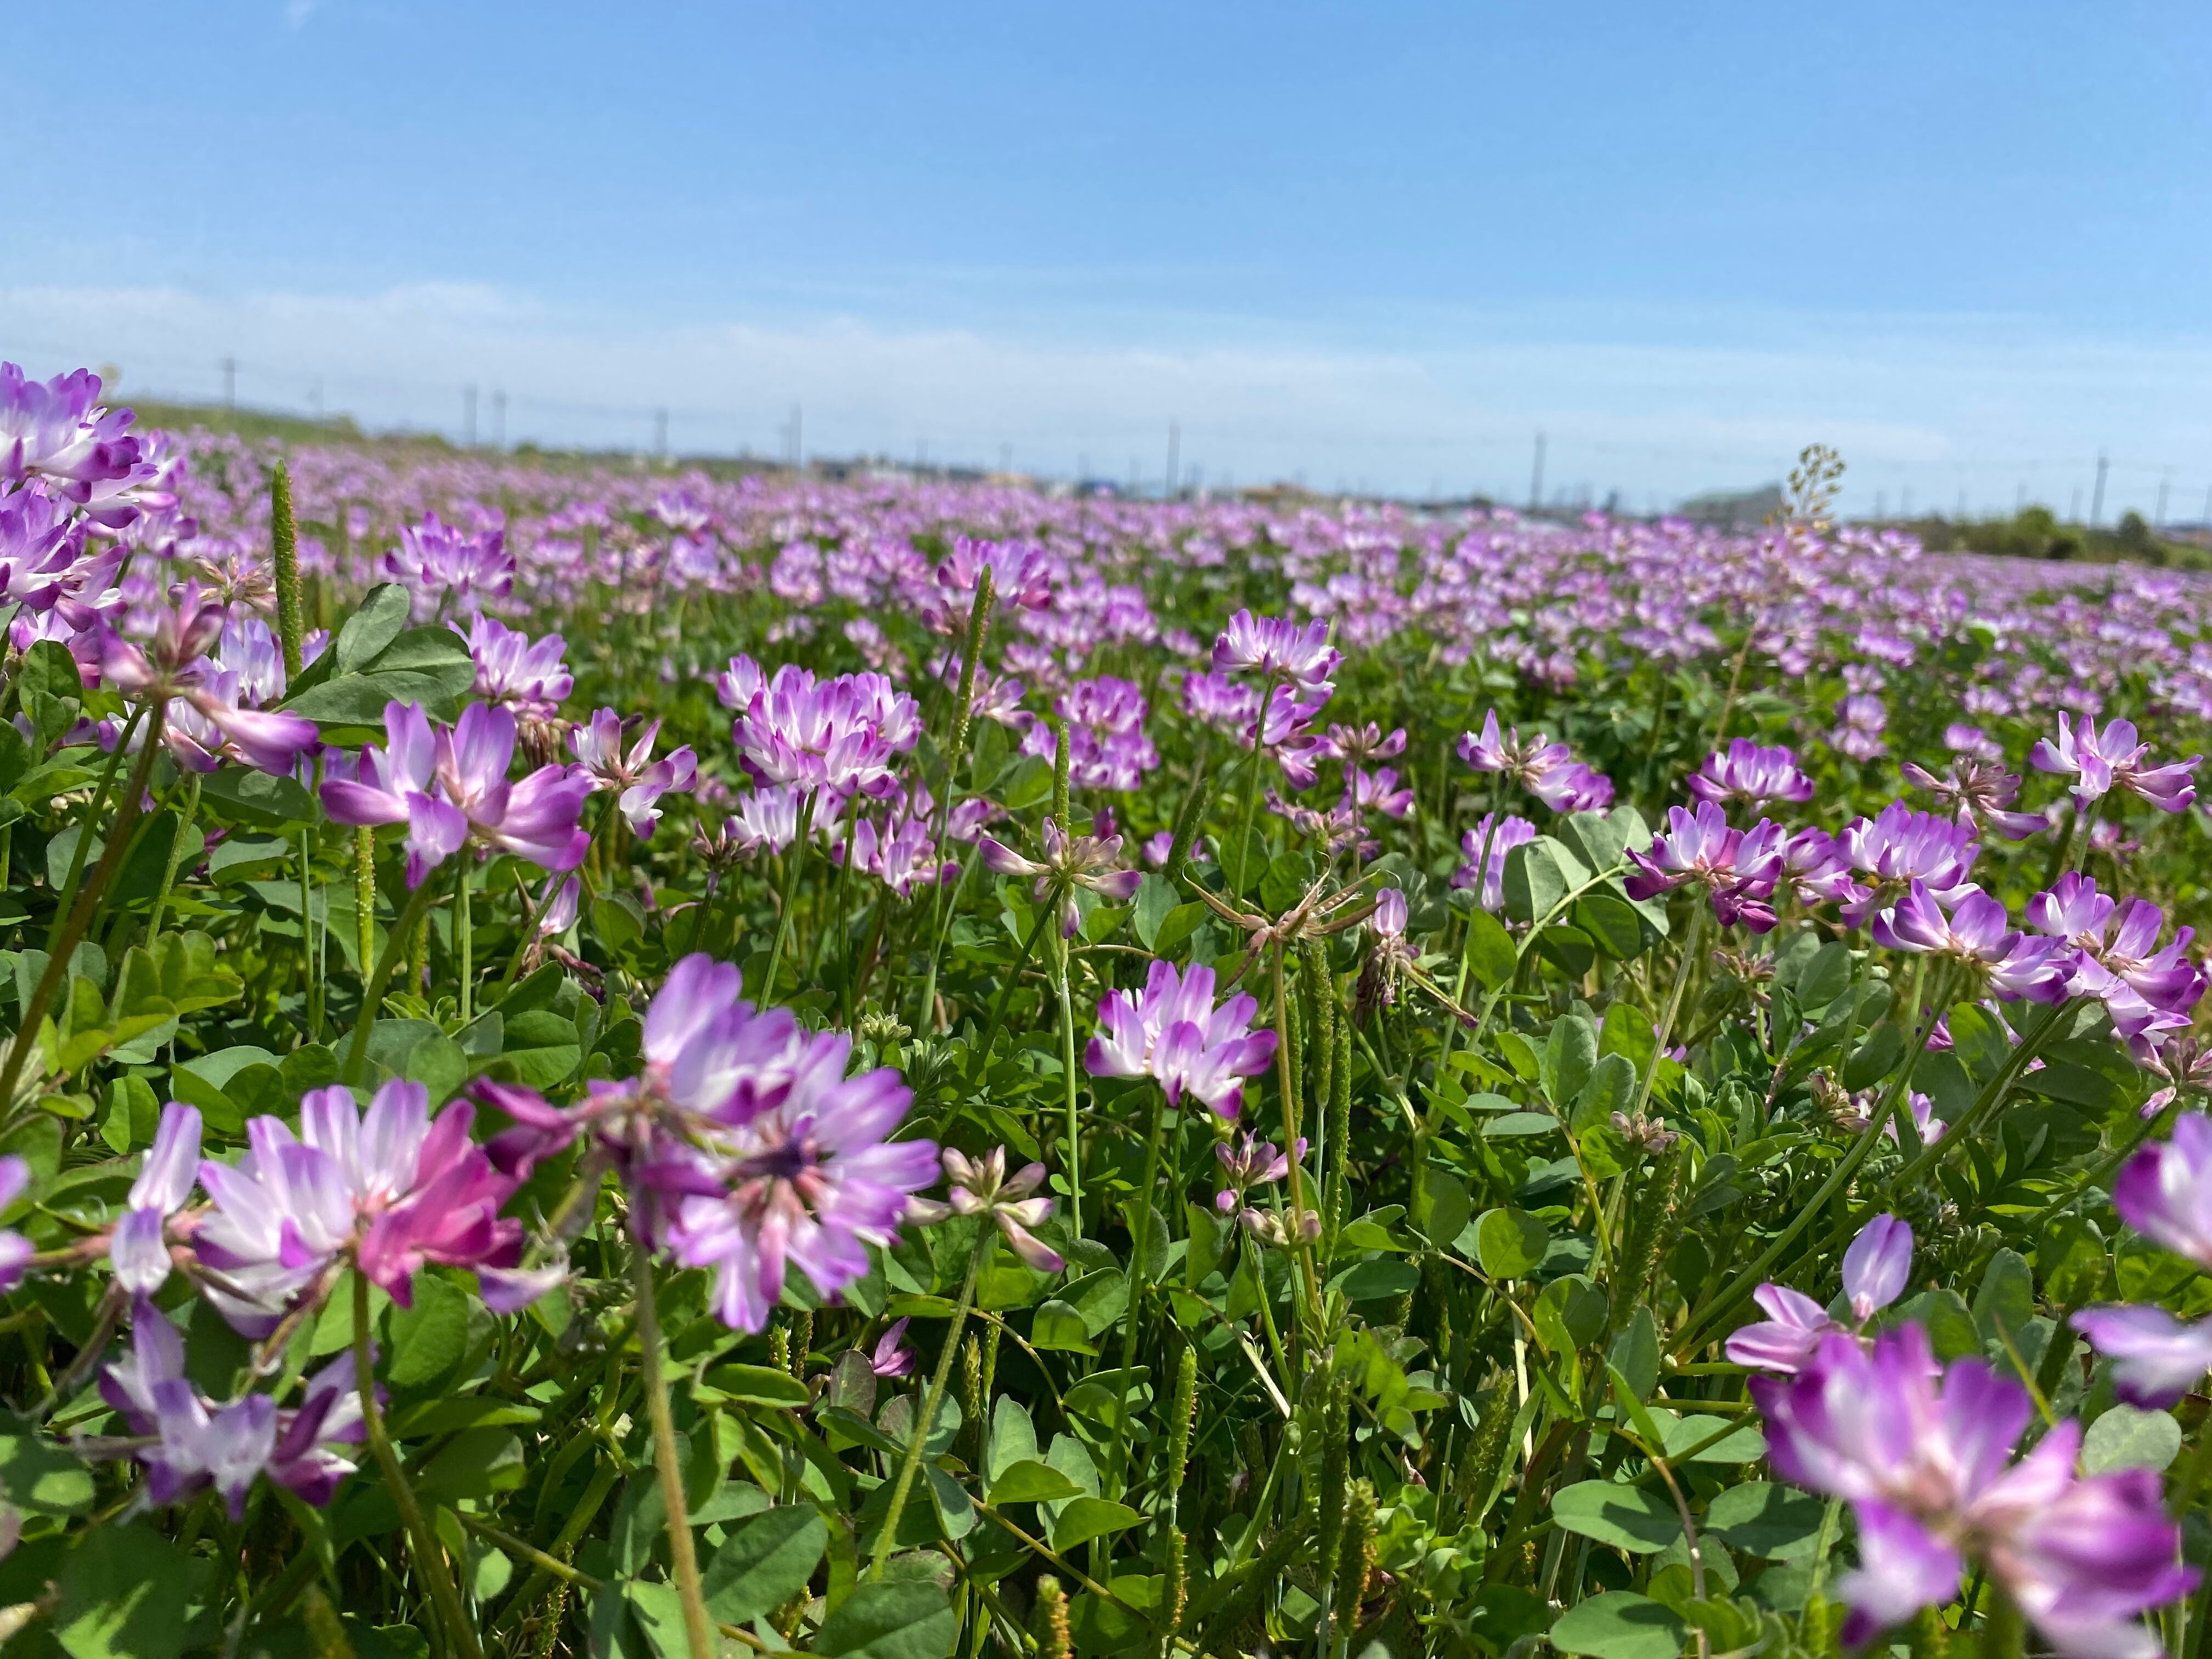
(610, 1062)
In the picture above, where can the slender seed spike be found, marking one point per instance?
(284, 541)
(1051, 1605)
(364, 897)
(1356, 1555)
(1060, 762)
(1180, 1416)
(1335, 1464)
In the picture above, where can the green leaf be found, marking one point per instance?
(244, 796)
(1876, 1056)
(1569, 1057)
(377, 621)
(1449, 1208)
(765, 1562)
(1610, 1089)
(1031, 1481)
(1013, 1436)
(1377, 1281)
(1760, 1518)
(1619, 1625)
(1533, 883)
(2006, 1301)
(2125, 1437)
(1509, 1243)
(38, 1477)
(1569, 1313)
(1060, 1328)
(126, 1593)
(1086, 1518)
(1635, 1353)
(1627, 1517)
(1950, 1326)
(1824, 979)
(427, 1341)
(1490, 954)
(890, 1619)
(1155, 897)
(474, 1463)
(763, 1385)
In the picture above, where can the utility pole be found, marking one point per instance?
(499, 422)
(2164, 484)
(315, 399)
(1175, 444)
(1905, 511)
(797, 438)
(1537, 476)
(1082, 467)
(1005, 458)
(468, 417)
(230, 383)
(2020, 500)
(1961, 519)
(2073, 512)
(2097, 500)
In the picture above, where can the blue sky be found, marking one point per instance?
(1374, 243)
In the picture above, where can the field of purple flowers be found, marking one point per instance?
(610, 1062)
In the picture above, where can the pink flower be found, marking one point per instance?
(1172, 1032)
(2100, 763)
(389, 1188)
(1278, 649)
(641, 780)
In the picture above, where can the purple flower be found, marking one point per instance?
(1172, 1032)
(1252, 1162)
(449, 785)
(1982, 792)
(197, 1443)
(2156, 1358)
(58, 430)
(1753, 774)
(1899, 846)
(1738, 867)
(982, 1186)
(745, 1146)
(892, 1357)
(161, 657)
(1975, 932)
(390, 1188)
(2165, 1191)
(138, 1248)
(2147, 989)
(1548, 771)
(641, 780)
(442, 563)
(765, 820)
(1490, 881)
(16, 1250)
(1924, 1457)
(1070, 862)
(1278, 649)
(2100, 763)
(1860, 721)
(1875, 1268)
(810, 1182)
(1378, 791)
(511, 668)
(1818, 869)
(838, 734)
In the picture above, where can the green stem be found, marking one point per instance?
(1991, 1096)
(92, 811)
(979, 618)
(1140, 1217)
(1698, 913)
(1045, 913)
(698, 1628)
(314, 1004)
(395, 945)
(80, 916)
(465, 933)
(1251, 806)
(1846, 1167)
(797, 862)
(887, 1536)
(176, 857)
(1067, 1070)
(421, 1542)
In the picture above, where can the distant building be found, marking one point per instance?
(1734, 509)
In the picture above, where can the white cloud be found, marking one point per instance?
(1647, 404)
(297, 12)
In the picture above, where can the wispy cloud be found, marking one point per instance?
(1656, 412)
(297, 12)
